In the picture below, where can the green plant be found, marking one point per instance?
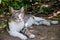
(5, 4)
(2, 24)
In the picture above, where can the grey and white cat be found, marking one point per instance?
(19, 21)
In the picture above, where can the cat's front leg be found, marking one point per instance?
(17, 34)
(27, 32)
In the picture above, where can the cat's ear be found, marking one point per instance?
(11, 10)
(22, 10)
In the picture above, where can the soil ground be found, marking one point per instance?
(42, 32)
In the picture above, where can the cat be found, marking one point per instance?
(16, 24)
(19, 23)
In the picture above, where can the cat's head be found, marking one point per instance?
(17, 15)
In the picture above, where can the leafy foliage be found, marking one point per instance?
(2, 24)
(17, 4)
(42, 9)
(5, 4)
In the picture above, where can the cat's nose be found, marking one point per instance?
(19, 19)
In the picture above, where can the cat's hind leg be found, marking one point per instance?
(38, 18)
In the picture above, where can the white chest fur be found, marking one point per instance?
(16, 26)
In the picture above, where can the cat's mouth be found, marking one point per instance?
(18, 20)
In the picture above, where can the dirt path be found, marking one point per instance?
(42, 33)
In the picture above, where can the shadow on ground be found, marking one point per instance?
(42, 33)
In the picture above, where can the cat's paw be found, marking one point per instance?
(24, 38)
(32, 36)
